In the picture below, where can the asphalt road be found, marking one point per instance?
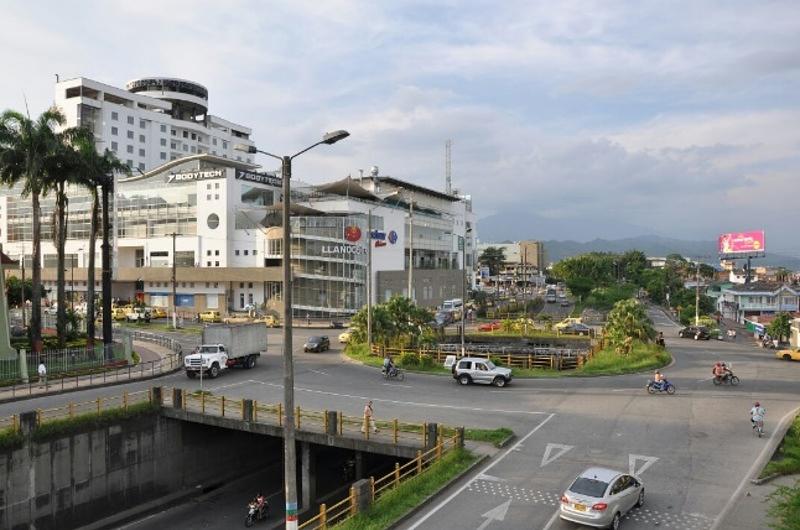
(692, 449)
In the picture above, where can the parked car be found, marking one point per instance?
(137, 314)
(443, 318)
(695, 332)
(490, 326)
(236, 319)
(482, 371)
(317, 344)
(576, 328)
(210, 316)
(119, 313)
(567, 322)
(564, 302)
(788, 355)
(344, 338)
(158, 312)
(601, 497)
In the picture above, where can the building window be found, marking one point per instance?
(193, 149)
(241, 285)
(208, 197)
(130, 120)
(216, 285)
(129, 148)
(130, 135)
(142, 124)
(250, 286)
(173, 145)
(163, 128)
(163, 142)
(216, 185)
(241, 300)
(194, 136)
(115, 115)
(387, 295)
(208, 263)
(246, 252)
(250, 298)
(141, 138)
(114, 146)
(213, 221)
(216, 252)
(174, 132)
(114, 131)
(129, 162)
(186, 134)
(254, 252)
(141, 152)
(163, 155)
(185, 148)
(214, 142)
(141, 166)
(224, 144)
(236, 252)
(208, 252)
(216, 196)
(216, 263)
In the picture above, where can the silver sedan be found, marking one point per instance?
(599, 497)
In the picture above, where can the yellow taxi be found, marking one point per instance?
(158, 312)
(344, 338)
(270, 320)
(788, 355)
(119, 313)
(210, 316)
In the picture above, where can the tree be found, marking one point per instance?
(628, 321)
(27, 152)
(398, 321)
(598, 268)
(97, 172)
(493, 257)
(783, 275)
(781, 326)
(633, 264)
(14, 290)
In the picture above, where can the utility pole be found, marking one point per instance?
(369, 279)
(22, 288)
(697, 294)
(411, 249)
(174, 286)
(525, 288)
(463, 291)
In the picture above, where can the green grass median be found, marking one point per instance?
(786, 460)
(494, 436)
(394, 504)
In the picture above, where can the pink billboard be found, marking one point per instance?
(742, 242)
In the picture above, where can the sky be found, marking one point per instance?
(608, 118)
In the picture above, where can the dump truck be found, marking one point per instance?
(227, 346)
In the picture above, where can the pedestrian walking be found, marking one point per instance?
(369, 421)
(42, 373)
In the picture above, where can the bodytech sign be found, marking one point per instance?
(187, 176)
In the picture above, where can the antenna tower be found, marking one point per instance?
(448, 176)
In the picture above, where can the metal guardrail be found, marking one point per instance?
(569, 360)
(166, 342)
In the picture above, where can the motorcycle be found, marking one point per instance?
(660, 342)
(394, 373)
(664, 386)
(255, 514)
(728, 378)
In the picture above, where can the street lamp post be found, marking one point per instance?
(72, 279)
(290, 451)
(463, 289)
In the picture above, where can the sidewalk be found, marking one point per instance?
(156, 360)
(751, 508)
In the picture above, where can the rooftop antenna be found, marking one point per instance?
(448, 180)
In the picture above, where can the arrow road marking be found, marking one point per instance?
(495, 514)
(489, 478)
(549, 457)
(648, 461)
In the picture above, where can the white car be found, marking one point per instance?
(600, 497)
(481, 371)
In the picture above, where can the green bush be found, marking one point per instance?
(785, 507)
(498, 361)
(10, 438)
(136, 358)
(409, 360)
(426, 361)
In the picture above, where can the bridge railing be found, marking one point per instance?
(557, 359)
(343, 510)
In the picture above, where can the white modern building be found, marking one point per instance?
(151, 121)
(195, 203)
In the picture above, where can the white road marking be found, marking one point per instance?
(320, 372)
(489, 478)
(633, 459)
(552, 520)
(549, 457)
(411, 403)
(483, 471)
(495, 514)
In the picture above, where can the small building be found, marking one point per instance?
(739, 302)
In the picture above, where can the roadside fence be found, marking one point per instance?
(561, 359)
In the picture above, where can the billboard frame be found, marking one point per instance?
(743, 254)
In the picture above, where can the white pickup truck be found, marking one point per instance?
(225, 346)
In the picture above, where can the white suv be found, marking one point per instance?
(483, 371)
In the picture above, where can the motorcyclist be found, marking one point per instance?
(660, 338)
(261, 502)
(658, 380)
(388, 366)
(757, 414)
(719, 370)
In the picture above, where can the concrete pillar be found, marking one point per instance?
(177, 398)
(431, 435)
(158, 396)
(127, 343)
(308, 477)
(460, 434)
(247, 410)
(27, 423)
(23, 366)
(333, 423)
(363, 490)
(359, 465)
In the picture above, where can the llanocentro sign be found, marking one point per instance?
(343, 249)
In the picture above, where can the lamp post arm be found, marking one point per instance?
(269, 154)
(306, 149)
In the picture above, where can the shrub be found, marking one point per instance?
(426, 361)
(136, 358)
(59, 427)
(498, 361)
(409, 360)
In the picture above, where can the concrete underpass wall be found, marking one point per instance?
(75, 479)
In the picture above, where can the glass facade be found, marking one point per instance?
(156, 209)
(329, 261)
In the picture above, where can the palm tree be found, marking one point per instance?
(27, 150)
(98, 172)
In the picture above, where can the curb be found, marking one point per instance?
(503, 443)
(784, 428)
(425, 502)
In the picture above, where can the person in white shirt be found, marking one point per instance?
(42, 373)
(757, 413)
